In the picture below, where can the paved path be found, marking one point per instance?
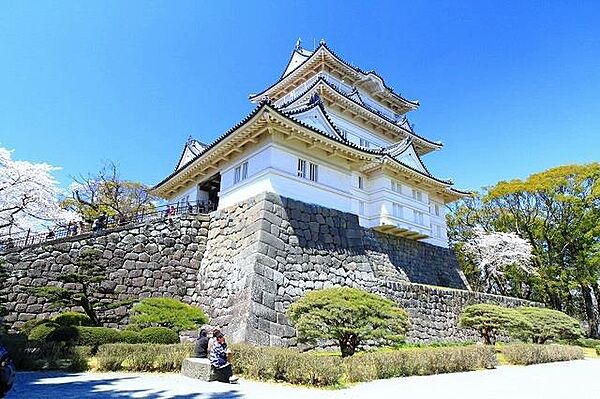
(577, 379)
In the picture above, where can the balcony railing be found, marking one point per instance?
(100, 224)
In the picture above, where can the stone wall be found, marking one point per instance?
(302, 247)
(246, 264)
(159, 258)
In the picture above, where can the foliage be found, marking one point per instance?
(526, 354)
(95, 336)
(167, 312)
(548, 324)
(29, 355)
(72, 319)
(284, 364)
(311, 368)
(28, 195)
(85, 279)
(422, 361)
(493, 253)
(492, 320)
(26, 327)
(142, 357)
(349, 316)
(158, 335)
(557, 212)
(130, 337)
(585, 342)
(107, 193)
(42, 332)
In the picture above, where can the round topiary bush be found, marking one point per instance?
(72, 319)
(159, 335)
(41, 332)
(94, 336)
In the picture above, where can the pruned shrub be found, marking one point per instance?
(598, 350)
(167, 312)
(130, 337)
(158, 335)
(550, 325)
(288, 365)
(525, 354)
(31, 324)
(493, 320)
(42, 332)
(72, 319)
(95, 336)
(349, 316)
(142, 357)
(418, 361)
(585, 342)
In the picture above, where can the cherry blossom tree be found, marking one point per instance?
(29, 196)
(494, 252)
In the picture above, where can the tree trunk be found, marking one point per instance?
(90, 311)
(591, 310)
(348, 344)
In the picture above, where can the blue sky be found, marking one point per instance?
(510, 88)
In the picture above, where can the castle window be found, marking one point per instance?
(240, 172)
(417, 195)
(361, 183)
(361, 208)
(397, 210)
(301, 168)
(418, 217)
(396, 187)
(313, 170)
(365, 143)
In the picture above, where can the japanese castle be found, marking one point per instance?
(325, 133)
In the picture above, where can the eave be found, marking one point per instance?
(334, 98)
(325, 60)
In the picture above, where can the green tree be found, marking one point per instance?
(167, 312)
(558, 212)
(83, 282)
(493, 320)
(349, 316)
(550, 325)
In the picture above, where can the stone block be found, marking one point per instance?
(198, 368)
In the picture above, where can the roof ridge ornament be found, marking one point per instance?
(322, 42)
(298, 45)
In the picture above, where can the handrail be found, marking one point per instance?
(21, 240)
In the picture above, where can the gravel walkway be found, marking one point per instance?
(547, 381)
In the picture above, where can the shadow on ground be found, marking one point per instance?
(59, 385)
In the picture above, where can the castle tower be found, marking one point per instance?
(325, 133)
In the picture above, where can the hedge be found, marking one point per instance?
(158, 335)
(525, 354)
(282, 364)
(423, 361)
(95, 336)
(142, 357)
(288, 365)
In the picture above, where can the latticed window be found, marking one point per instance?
(301, 168)
(240, 172)
(314, 172)
(397, 210)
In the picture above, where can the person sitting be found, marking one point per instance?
(220, 358)
(201, 349)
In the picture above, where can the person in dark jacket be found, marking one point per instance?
(202, 344)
